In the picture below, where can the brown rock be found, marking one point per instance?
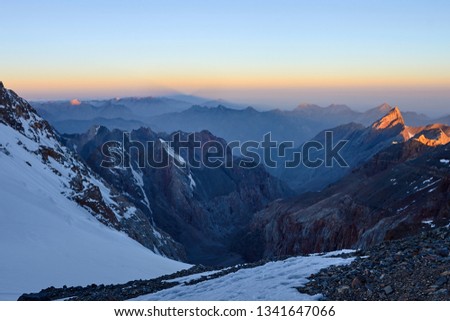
(356, 283)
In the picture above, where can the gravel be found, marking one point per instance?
(414, 268)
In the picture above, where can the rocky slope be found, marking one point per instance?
(78, 182)
(202, 208)
(413, 268)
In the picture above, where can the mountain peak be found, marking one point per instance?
(392, 119)
(307, 106)
(250, 109)
(338, 108)
(1, 85)
(18, 114)
(75, 102)
(222, 107)
(384, 107)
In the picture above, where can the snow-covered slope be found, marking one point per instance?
(272, 281)
(59, 223)
(77, 181)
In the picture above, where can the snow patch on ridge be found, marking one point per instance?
(192, 184)
(172, 153)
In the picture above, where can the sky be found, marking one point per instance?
(263, 53)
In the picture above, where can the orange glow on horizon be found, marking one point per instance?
(188, 83)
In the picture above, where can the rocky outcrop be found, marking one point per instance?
(392, 119)
(414, 268)
(433, 136)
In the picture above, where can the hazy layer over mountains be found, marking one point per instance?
(228, 120)
(237, 123)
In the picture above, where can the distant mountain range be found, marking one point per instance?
(125, 108)
(225, 119)
(295, 125)
(305, 122)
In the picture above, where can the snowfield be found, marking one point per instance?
(274, 281)
(48, 240)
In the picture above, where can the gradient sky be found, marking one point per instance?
(266, 53)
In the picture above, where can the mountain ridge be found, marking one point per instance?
(60, 224)
(81, 184)
(363, 143)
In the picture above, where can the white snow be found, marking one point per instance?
(394, 181)
(191, 182)
(272, 281)
(129, 212)
(139, 179)
(172, 153)
(106, 192)
(410, 135)
(445, 161)
(427, 181)
(402, 209)
(48, 240)
(429, 222)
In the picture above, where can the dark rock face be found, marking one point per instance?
(387, 198)
(16, 113)
(202, 208)
(412, 268)
(81, 184)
